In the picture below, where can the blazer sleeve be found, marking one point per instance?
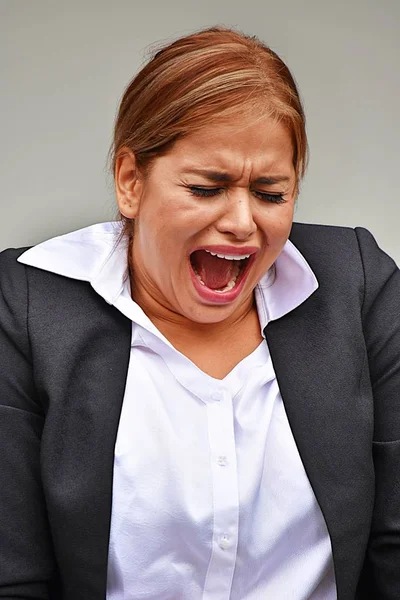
(26, 558)
(381, 324)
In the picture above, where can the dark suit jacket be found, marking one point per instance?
(63, 363)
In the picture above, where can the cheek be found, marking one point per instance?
(277, 228)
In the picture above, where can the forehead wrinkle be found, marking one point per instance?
(219, 176)
(243, 173)
(233, 165)
(219, 167)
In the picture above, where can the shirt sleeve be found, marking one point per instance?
(26, 558)
(381, 325)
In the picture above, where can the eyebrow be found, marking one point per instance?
(223, 176)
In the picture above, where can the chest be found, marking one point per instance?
(217, 356)
(198, 492)
(82, 375)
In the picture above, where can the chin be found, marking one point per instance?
(208, 314)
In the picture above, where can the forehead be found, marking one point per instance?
(258, 144)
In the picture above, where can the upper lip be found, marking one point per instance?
(230, 250)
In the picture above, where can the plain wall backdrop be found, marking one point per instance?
(64, 66)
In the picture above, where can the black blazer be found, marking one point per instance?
(63, 363)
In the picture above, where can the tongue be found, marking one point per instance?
(215, 272)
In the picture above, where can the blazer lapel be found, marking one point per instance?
(82, 348)
(318, 361)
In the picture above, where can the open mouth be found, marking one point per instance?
(219, 273)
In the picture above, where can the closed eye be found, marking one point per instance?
(205, 192)
(276, 198)
(209, 192)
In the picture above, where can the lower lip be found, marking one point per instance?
(210, 295)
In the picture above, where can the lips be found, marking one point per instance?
(240, 271)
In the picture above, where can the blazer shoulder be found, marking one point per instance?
(332, 252)
(9, 259)
(13, 305)
(311, 235)
(330, 242)
(21, 285)
(12, 273)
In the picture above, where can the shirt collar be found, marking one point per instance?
(286, 285)
(98, 254)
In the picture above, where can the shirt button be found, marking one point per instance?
(216, 395)
(222, 460)
(224, 542)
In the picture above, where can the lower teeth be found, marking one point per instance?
(229, 286)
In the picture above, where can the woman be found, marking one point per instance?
(193, 405)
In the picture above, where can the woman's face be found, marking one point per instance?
(229, 190)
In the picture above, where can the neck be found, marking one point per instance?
(172, 324)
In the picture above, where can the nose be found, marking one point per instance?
(238, 218)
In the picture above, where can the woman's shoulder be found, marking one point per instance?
(12, 273)
(9, 258)
(19, 281)
(334, 240)
(327, 248)
(345, 259)
(312, 236)
(341, 246)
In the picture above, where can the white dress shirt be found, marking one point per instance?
(210, 497)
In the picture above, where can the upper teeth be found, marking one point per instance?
(229, 256)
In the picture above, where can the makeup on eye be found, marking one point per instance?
(206, 192)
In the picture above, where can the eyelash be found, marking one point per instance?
(209, 192)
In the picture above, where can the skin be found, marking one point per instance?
(170, 221)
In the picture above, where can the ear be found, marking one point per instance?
(128, 183)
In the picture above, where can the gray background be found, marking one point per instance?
(64, 66)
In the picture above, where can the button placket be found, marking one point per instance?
(222, 460)
(224, 541)
(216, 395)
(225, 499)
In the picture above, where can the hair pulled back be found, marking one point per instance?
(212, 74)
